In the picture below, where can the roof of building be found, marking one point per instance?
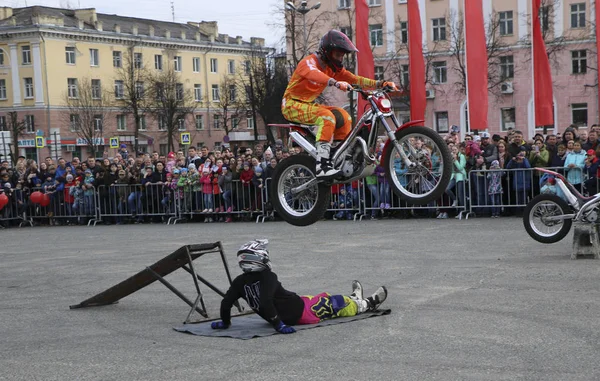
(41, 15)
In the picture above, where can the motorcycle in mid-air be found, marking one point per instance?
(417, 162)
(548, 217)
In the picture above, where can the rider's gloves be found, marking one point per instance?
(344, 86)
(384, 84)
(218, 325)
(282, 328)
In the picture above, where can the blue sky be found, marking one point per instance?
(235, 17)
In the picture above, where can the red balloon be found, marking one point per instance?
(45, 200)
(36, 197)
(3, 200)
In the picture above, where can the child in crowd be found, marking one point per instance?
(246, 180)
(88, 192)
(184, 185)
(494, 190)
(207, 192)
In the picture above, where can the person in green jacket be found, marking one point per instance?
(457, 181)
(538, 157)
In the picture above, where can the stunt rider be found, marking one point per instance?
(263, 292)
(314, 73)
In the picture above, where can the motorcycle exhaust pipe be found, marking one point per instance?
(305, 144)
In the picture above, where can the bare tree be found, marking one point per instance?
(133, 76)
(230, 105)
(169, 102)
(87, 107)
(264, 80)
(16, 128)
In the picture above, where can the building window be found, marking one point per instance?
(343, 4)
(376, 33)
(2, 123)
(441, 121)
(374, 3)
(96, 89)
(404, 32)
(347, 30)
(215, 93)
(508, 117)
(213, 65)
(181, 124)
(119, 91)
(138, 60)
(117, 59)
(70, 55)
(235, 122)
(545, 12)
(579, 61)
(247, 67)
(250, 122)
(98, 123)
(199, 122)
(507, 67)
(158, 62)
(404, 76)
(196, 65)
(29, 123)
(439, 29)
(440, 72)
(162, 123)
(28, 82)
(579, 114)
(163, 149)
(26, 54)
(578, 15)
(232, 93)
(177, 63)
(142, 126)
(121, 122)
(1, 57)
(179, 91)
(72, 87)
(3, 89)
(198, 92)
(74, 124)
(140, 89)
(231, 66)
(379, 73)
(216, 122)
(94, 57)
(505, 19)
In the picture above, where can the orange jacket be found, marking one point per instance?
(310, 79)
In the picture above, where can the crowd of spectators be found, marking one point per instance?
(491, 171)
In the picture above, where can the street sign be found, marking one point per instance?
(114, 142)
(40, 142)
(186, 138)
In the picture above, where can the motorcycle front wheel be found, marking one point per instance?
(535, 218)
(427, 178)
(298, 208)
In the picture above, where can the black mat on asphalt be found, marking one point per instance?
(249, 326)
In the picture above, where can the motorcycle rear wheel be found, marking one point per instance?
(306, 207)
(429, 178)
(546, 205)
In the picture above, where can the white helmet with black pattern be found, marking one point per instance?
(253, 256)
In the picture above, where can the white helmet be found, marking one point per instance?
(253, 256)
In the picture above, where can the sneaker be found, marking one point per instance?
(381, 206)
(453, 203)
(357, 290)
(229, 209)
(210, 210)
(205, 211)
(387, 206)
(375, 300)
(444, 215)
(440, 216)
(228, 219)
(373, 217)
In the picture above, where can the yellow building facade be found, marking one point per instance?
(46, 53)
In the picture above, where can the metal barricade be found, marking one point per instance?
(16, 209)
(345, 202)
(266, 206)
(72, 205)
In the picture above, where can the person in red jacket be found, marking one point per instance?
(246, 180)
(312, 75)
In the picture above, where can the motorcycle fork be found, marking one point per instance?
(392, 136)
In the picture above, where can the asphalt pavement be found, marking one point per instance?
(474, 299)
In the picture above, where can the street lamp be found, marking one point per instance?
(303, 9)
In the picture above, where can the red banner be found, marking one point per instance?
(542, 76)
(364, 57)
(418, 101)
(477, 69)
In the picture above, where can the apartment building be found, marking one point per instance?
(45, 53)
(569, 30)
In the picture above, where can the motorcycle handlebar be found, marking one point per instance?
(367, 93)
